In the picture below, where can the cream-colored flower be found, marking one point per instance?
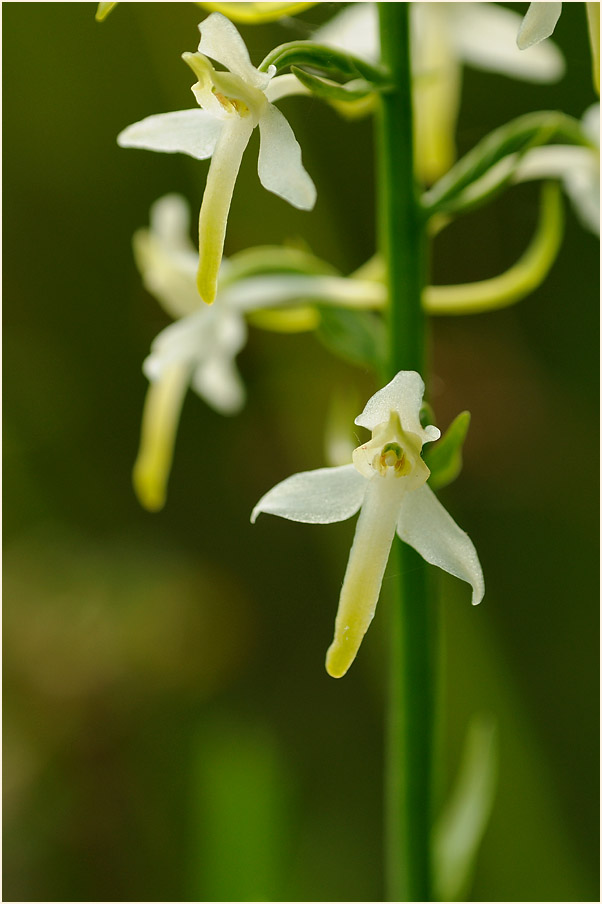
(232, 104)
(387, 483)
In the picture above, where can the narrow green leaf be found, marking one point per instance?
(444, 458)
(356, 336)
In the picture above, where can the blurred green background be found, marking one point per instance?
(169, 730)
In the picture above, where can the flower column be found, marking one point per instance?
(401, 241)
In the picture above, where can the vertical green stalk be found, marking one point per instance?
(410, 719)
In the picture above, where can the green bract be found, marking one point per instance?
(445, 459)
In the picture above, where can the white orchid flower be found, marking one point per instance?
(232, 104)
(200, 348)
(387, 482)
(576, 166)
(445, 36)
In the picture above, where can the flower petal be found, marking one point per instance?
(579, 170)
(315, 497)
(280, 168)
(539, 23)
(553, 161)
(170, 222)
(217, 198)
(286, 85)
(193, 132)
(218, 382)
(426, 526)
(355, 30)
(159, 427)
(166, 257)
(403, 394)
(221, 41)
(167, 274)
(365, 570)
(485, 37)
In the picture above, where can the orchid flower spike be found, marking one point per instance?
(387, 482)
(232, 104)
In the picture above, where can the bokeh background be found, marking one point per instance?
(169, 730)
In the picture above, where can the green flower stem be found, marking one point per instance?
(402, 244)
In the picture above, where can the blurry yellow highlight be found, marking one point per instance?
(103, 10)
(249, 13)
(286, 320)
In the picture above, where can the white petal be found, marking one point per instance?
(166, 257)
(539, 23)
(315, 497)
(280, 168)
(426, 526)
(365, 570)
(285, 86)
(591, 123)
(217, 198)
(354, 30)
(582, 185)
(485, 37)
(403, 394)
(218, 382)
(579, 170)
(167, 273)
(552, 162)
(170, 223)
(195, 338)
(221, 41)
(193, 132)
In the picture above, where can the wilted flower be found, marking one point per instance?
(387, 482)
(232, 104)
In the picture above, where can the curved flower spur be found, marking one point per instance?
(387, 482)
(232, 104)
